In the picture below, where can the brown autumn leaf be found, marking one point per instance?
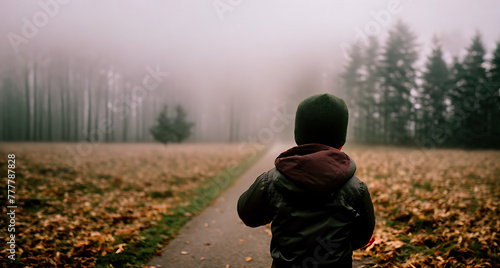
(120, 247)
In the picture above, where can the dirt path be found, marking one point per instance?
(217, 237)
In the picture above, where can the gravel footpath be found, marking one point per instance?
(217, 237)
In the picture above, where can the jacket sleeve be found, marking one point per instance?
(253, 206)
(364, 225)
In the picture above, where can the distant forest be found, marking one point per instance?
(65, 99)
(444, 104)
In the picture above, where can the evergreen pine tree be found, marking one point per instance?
(493, 88)
(456, 116)
(371, 93)
(397, 82)
(180, 125)
(430, 123)
(472, 96)
(171, 129)
(352, 84)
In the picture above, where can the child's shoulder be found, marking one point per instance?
(354, 187)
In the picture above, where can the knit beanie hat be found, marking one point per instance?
(321, 119)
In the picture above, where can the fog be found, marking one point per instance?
(227, 59)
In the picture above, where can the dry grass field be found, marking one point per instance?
(119, 203)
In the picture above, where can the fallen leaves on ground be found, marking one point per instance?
(434, 208)
(73, 208)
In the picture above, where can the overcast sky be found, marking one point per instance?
(257, 43)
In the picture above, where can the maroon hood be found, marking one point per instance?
(315, 168)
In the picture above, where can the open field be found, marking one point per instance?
(114, 205)
(435, 208)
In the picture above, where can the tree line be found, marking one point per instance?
(443, 104)
(73, 97)
(60, 96)
(70, 98)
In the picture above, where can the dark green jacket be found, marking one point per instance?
(320, 211)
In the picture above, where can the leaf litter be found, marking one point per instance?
(434, 208)
(71, 213)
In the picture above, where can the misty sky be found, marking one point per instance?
(256, 47)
